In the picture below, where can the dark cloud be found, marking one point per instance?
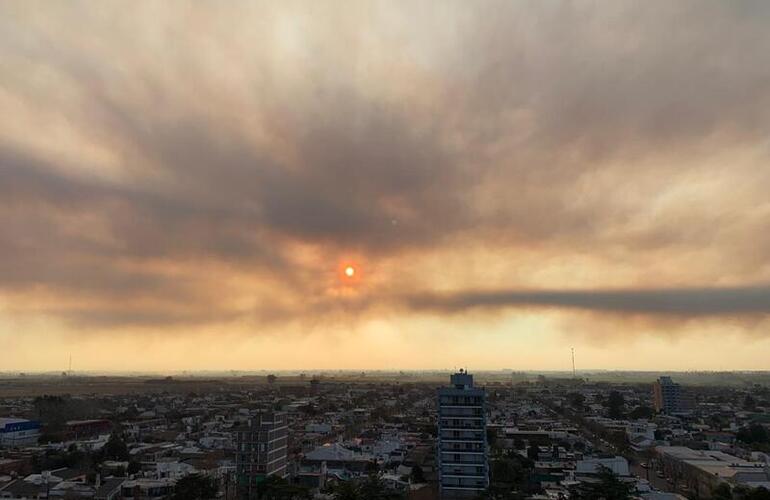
(147, 318)
(684, 302)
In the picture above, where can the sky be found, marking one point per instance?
(183, 184)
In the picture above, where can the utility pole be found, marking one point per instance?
(46, 477)
(574, 373)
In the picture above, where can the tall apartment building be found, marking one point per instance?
(260, 451)
(666, 396)
(462, 440)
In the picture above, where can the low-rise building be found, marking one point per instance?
(701, 471)
(18, 432)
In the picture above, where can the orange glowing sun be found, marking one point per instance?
(350, 271)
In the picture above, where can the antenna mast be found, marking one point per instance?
(574, 374)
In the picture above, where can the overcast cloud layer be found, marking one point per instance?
(172, 164)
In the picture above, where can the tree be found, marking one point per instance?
(532, 452)
(491, 437)
(54, 411)
(276, 488)
(54, 459)
(576, 400)
(608, 487)
(417, 475)
(374, 488)
(115, 449)
(510, 478)
(346, 491)
(615, 405)
(753, 434)
(760, 493)
(641, 412)
(504, 471)
(722, 492)
(749, 403)
(715, 421)
(510, 470)
(195, 487)
(502, 494)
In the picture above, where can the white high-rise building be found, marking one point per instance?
(462, 441)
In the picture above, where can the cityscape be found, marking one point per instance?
(384, 250)
(379, 435)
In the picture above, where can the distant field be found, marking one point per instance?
(36, 385)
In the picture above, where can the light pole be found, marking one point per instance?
(46, 479)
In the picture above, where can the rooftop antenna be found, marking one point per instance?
(69, 371)
(574, 374)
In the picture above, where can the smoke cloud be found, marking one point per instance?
(685, 302)
(213, 164)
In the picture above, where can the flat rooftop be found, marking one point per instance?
(4, 421)
(716, 463)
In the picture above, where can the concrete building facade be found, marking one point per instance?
(463, 459)
(700, 472)
(666, 396)
(261, 449)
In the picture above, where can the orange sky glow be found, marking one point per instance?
(384, 185)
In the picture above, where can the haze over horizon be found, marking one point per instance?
(384, 185)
